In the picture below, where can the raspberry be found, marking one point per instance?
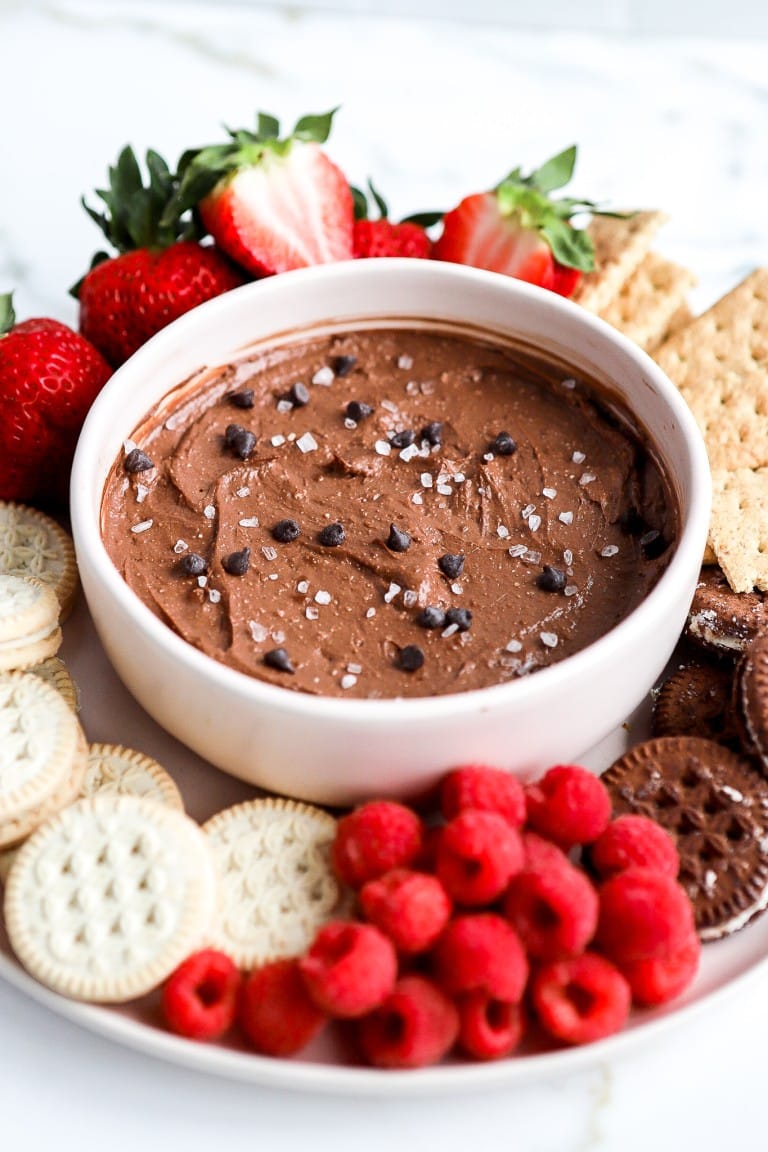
(409, 907)
(634, 841)
(490, 789)
(275, 1012)
(427, 857)
(644, 915)
(481, 951)
(581, 999)
(373, 839)
(349, 969)
(416, 1025)
(541, 853)
(477, 854)
(488, 1028)
(657, 981)
(569, 805)
(554, 911)
(200, 998)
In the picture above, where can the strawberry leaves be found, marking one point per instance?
(7, 314)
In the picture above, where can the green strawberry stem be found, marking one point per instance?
(361, 207)
(7, 314)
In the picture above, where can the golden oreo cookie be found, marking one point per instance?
(31, 544)
(54, 671)
(112, 769)
(29, 622)
(715, 805)
(39, 738)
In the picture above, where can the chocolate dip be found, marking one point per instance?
(388, 512)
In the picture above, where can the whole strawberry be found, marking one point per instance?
(49, 377)
(384, 237)
(272, 204)
(160, 270)
(518, 229)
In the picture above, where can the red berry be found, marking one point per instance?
(200, 997)
(374, 839)
(426, 860)
(385, 238)
(554, 911)
(276, 1013)
(477, 854)
(634, 841)
(542, 853)
(569, 804)
(644, 915)
(411, 908)
(481, 951)
(349, 969)
(416, 1025)
(475, 786)
(657, 981)
(581, 999)
(488, 1028)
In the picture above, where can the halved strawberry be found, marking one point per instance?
(385, 237)
(272, 204)
(519, 230)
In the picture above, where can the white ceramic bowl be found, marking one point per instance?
(339, 751)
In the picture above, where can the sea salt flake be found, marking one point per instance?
(350, 424)
(370, 613)
(249, 522)
(534, 523)
(405, 361)
(268, 552)
(532, 557)
(732, 793)
(129, 445)
(291, 436)
(570, 590)
(549, 639)
(242, 492)
(306, 443)
(587, 478)
(409, 452)
(284, 406)
(391, 592)
(518, 550)
(143, 526)
(426, 479)
(417, 498)
(568, 556)
(456, 589)
(550, 493)
(445, 489)
(569, 382)
(502, 532)
(180, 546)
(273, 576)
(513, 646)
(348, 681)
(209, 511)
(202, 581)
(609, 550)
(323, 597)
(526, 512)
(278, 637)
(323, 376)
(487, 456)
(578, 457)
(303, 587)
(141, 493)
(382, 447)
(451, 630)
(412, 387)
(311, 612)
(258, 631)
(214, 595)
(276, 441)
(459, 477)
(355, 669)
(390, 406)
(410, 598)
(427, 387)
(566, 517)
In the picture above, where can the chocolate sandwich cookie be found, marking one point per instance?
(750, 700)
(715, 805)
(722, 620)
(695, 700)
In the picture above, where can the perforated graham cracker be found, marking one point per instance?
(738, 529)
(649, 299)
(620, 247)
(720, 364)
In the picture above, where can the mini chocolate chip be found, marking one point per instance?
(432, 433)
(343, 365)
(137, 461)
(239, 440)
(460, 616)
(298, 394)
(332, 535)
(285, 531)
(242, 399)
(431, 617)
(451, 565)
(358, 411)
(502, 445)
(551, 579)
(403, 439)
(411, 658)
(193, 564)
(237, 563)
(279, 659)
(398, 540)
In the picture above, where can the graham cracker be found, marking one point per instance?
(620, 247)
(681, 317)
(720, 364)
(738, 529)
(649, 299)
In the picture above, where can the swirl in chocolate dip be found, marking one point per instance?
(389, 512)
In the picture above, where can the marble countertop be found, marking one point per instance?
(432, 109)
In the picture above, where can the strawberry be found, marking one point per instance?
(49, 377)
(519, 230)
(160, 271)
(271, 204)
(383, 237)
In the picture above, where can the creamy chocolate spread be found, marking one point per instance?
(388, 512)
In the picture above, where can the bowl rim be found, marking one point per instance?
(86, 527)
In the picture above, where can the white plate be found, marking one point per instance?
(110, 714)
